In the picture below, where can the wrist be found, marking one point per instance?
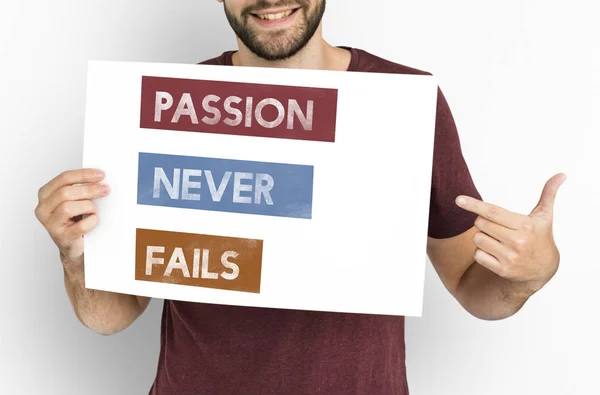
(72, 268)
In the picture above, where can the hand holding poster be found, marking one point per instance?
(296, 189)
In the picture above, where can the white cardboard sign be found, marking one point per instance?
(293, 189)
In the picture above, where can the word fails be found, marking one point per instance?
(227, 185)
(246, 109)
(198, 260)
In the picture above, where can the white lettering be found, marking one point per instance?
(280, 113)
(205, 272)
(163, 101)
(151, 260)
(215, 193)
(249, 102)
(187, 184)
(211, 110)
(233, 111)
(305, 120)
(177, 261)
(235, 115)
(230, 265)
(196, 265)
(172, 189)
(185, 107)
(238, 187)
(261, 189)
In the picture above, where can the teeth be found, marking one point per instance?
(272, 17)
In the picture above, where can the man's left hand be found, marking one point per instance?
(519, 248)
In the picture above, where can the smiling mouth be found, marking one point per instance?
(275, 17)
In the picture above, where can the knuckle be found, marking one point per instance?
(520, 243)
(84, 227)
(506, 271)
(64, 194)
(65, 209)
(93, 222)
(528, 225)
(492, 212)
(90, 191)
(479, 222)
(60, 233)
(67, 177)
(92, 206)
(479, 255)
(62, 177)
(513, 258)
(40, 214)
(58, 195)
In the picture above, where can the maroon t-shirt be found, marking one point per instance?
(215, 349)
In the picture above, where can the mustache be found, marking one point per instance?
(262, 5)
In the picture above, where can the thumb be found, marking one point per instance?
(545, 205)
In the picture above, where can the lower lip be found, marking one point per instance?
(275, 22)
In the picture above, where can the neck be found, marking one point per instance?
(316, 55)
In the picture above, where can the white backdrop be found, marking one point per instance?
(522, 78)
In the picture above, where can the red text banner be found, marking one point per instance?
(244, 109)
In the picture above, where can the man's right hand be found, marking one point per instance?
(62, 204)
(67, 212)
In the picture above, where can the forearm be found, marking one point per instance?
(488, 296)
(106, 313)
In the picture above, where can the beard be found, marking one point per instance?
(278, 44)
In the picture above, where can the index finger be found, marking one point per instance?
(70, 177)
(491, 212)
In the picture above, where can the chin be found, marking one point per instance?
(276, 48)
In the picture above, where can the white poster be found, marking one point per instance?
(294, 189)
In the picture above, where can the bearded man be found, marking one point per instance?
(490, 259)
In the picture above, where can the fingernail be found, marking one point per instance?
(105, 189)
(99, 173)
(461, 201)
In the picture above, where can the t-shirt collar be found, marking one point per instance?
(353, 66)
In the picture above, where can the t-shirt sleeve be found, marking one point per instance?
(450, 178)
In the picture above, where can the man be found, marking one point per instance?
(491, 260)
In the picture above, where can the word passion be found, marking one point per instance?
(237, 108)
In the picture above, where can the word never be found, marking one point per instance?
(262, 186)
